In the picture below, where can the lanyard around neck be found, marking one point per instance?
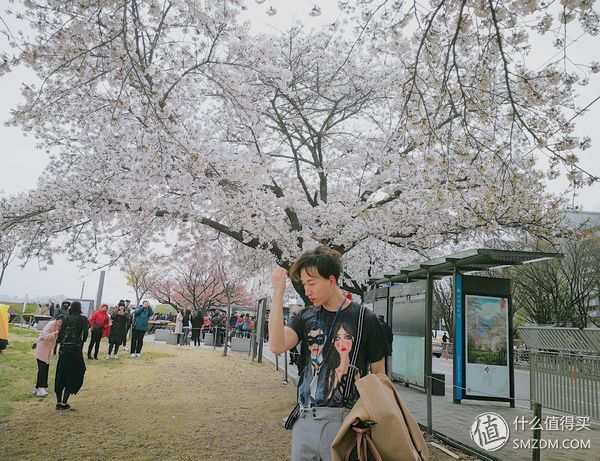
(339, 309)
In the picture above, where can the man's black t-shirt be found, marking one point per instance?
(326, 352)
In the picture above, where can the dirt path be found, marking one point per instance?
(171, 404)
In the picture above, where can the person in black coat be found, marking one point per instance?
(70, 368)
(197, 321)
(118, 331)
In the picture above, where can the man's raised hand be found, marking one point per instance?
(279, 280)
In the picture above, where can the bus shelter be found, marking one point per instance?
(482, 330)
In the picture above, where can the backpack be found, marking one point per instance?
(72, 338)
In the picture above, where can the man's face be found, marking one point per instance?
(318, 289)
(146, 304)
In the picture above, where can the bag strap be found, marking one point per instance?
(352, 368)
(291, 419)
(363, 443)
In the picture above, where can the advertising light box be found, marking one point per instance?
(487, 360)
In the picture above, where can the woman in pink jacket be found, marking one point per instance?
(43, 354)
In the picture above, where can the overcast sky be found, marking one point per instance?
(21, 164)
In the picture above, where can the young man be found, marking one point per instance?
(328, 331)
(139, 327)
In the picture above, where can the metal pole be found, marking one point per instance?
(23, 311)
(260, 323)
(285, 365)
(537, 432)
(82, 287)
(100, 289)
(227, 323)
(277, 361)
(260, 350)
(532, 378)
(428, 351)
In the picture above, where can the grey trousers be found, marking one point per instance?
(314, 432)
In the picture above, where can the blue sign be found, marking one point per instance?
(459, 346)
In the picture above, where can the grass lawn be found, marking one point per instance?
(15, 367)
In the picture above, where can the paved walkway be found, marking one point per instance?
(455, 420)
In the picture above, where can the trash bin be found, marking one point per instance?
(438, 384)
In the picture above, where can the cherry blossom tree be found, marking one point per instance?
(399, 130)
(197, 281)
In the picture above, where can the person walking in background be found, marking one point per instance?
(197, 320)
(70, 369)
(118, 331)
(179, 326)
(239, 324)
(125, 305)
(100, 326)
(43, 354)
(246, 326)
(139, 328)
(206, 326)
(216, 328)
(186, 326)
(61, 311)
(266, 328)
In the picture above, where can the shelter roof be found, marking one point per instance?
(474, 260)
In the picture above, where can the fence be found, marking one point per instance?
(564, 368)
(566, 382)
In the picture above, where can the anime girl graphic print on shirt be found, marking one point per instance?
(339, 360)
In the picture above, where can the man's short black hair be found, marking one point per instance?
(65, 304)
(326, 261)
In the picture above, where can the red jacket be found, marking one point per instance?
(101, 318)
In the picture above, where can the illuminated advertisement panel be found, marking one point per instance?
(487, 372)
